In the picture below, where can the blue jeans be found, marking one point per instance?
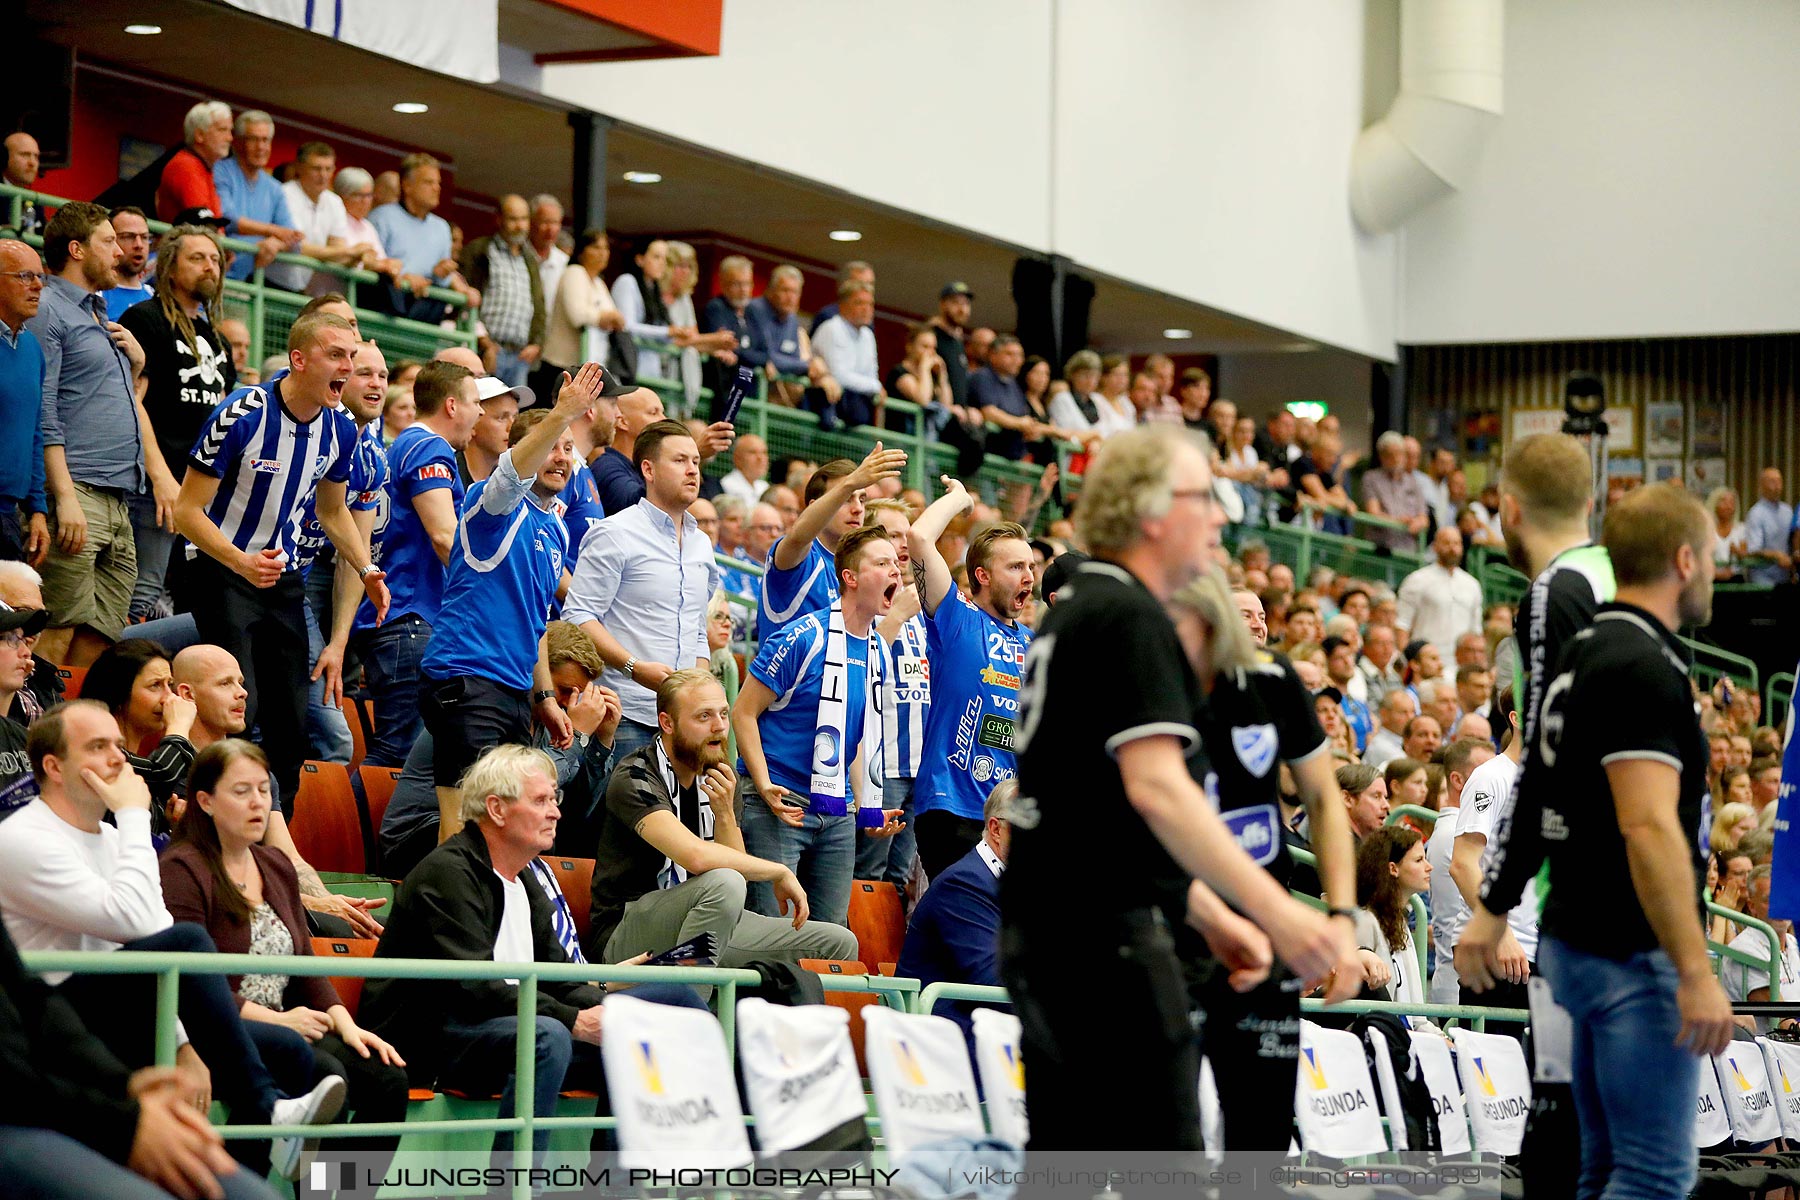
(510, 367)
(327, 731)
(53, 1166)
(154, 545)
(173, 634)
(482, 1055)
(631, 737)
(821, 853)
(391, 654)
(889, 859)
(1634, 1088)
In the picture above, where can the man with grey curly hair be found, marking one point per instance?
(1104, 736)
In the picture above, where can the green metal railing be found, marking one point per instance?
(1778, 697)
(268, 311)
(1368, 520)
(1712, 664)
(1770, 964)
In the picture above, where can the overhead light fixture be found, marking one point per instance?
(144, 30)
(411, 107)
(642, 177)
(846, 235)
(1178, 335)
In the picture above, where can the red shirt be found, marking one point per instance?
(187, 182)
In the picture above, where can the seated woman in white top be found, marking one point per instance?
(1391, 869)
(1723, 505)
(1082, 407)
(356, 188)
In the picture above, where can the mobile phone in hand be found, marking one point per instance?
(740, 387)
(702, 951)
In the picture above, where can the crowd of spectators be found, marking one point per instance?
(736, 693)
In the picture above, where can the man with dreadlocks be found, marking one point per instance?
(187, 371)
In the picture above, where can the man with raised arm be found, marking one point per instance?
(800, 578)
(977, 647)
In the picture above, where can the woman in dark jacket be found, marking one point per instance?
(218, 875)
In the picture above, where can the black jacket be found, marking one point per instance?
(54, 1074)
(449, 908)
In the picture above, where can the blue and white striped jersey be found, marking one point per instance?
(907, 678)
(269, 466)
(368, 472)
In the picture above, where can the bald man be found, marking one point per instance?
(505, 270)
(22, 162)
(211, 677)
(462, 356)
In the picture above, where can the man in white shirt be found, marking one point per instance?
(747, 479)
(1487, 801)
(1398, 708)
(1440, 602)
(1746, 984)
(546, 228)
(846, 342)
(642, 583)
(70, 881)
(324, 224)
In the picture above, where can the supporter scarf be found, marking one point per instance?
(562, 920)
(831, 757)
(672, 872)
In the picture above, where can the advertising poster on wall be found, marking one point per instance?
(1705, 474)
(1664, 428)
(1708, 431)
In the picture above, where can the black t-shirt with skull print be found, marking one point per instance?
(185, 383)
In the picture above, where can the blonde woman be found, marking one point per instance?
(678, 297)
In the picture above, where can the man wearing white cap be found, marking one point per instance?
(415, 531)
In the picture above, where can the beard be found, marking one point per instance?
(1694, 605)
(1515, 550)
(205, 289)
(700, 753)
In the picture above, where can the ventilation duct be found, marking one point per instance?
(1451, 55)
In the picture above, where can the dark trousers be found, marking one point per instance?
(265, 628)
(120, 1011)
(944, 837)
(1249, 1036)
(482, 1056)
(1501, 995)
(377, 1091)
(391, 654)
(1138, 1087)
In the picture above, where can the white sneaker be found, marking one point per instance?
(290, 1156)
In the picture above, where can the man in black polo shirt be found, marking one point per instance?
(1626, 811)
(1112, 827)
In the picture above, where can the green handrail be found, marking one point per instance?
(1479, 1017)
(1359, 517)
(253, 292)
(1780, 686)
(1429, 815)
(1771, 964)
(1722, 663)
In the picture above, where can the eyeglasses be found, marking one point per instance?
(1205, 494)
(30, 278)
(14, 639)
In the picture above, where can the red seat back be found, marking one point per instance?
(576, 878)
(349, 987)
(878, 919)
(326, 827)
(852, 1002)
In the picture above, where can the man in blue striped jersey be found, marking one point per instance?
(263, 455)
(413, 540)
(485, 670)
(800, 578)
(906, 702)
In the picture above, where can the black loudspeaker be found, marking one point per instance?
(1042, 328)
(40, 99)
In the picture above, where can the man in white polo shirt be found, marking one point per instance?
(1487, 800)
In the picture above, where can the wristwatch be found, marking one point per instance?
(1341, 912)
(631, 667)
(539, 697)
(369, 570)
